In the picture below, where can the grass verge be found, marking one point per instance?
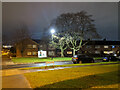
(36, 59)
(105, 76)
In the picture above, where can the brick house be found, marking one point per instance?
(98, 48)
(102, 47)
(30, 48)
(43, 45)
(26, 48)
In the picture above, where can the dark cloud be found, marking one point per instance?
(38, 16)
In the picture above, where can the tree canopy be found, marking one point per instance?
(74, 28)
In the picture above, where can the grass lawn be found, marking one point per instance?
(105, 76)
(36, 59)
(95, 58)
(67, 65)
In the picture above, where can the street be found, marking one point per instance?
(8, 64)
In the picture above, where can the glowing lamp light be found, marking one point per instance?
(52, 31)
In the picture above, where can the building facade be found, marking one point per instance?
(26, 48)
(30, 48)
(102, 47)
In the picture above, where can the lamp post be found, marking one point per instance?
(52, 32)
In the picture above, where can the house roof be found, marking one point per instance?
(39, 41)
(102, 42)
(36, 40)
(93, 42)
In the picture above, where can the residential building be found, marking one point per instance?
(26, 48)
(30, 48)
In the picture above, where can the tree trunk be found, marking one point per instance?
(73, 52)
(62, 51)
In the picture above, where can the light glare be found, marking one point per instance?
(52, 31)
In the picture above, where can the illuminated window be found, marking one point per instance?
(105, 46)
(58, 52)
(97, 46)
(34, 53)
(113, 46)
(29, 53)
(51, 53)
(34, 46)
(118, 51)
(69, 52)
(108, 52)
(41, 45)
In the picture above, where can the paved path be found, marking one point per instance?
(13, 78)
(15, 81)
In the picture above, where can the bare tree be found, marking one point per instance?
(20, 36)
(75, 27)
(22, 33)
(58, 41)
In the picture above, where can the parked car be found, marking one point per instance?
(108, 58)
(118, 58)
(82, 58)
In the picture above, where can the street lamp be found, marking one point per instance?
(52, 31)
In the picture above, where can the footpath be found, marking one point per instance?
(13, 78)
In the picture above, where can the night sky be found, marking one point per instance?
(37, 16)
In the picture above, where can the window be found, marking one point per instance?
(108, 52)
(97, 46)
(89, 52)
(118, 52)
(29, 53)
(51, 47)
(88, 46)
(105, 46)
(34, 46)
(69, 52)
(29, 46)
(97, 52)
(113, 46)
(58, 52)
(41, 45)
(34, 53)
(51, 53)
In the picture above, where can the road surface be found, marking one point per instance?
(8, 64)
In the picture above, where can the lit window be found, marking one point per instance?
(105, 46)
(34, 46)
(69, 52)
(29, 53)
(108, 52)
(58, 52)
(97, 46)
(40, 45)
(51, 53)
(34, 53)
(113, 46)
